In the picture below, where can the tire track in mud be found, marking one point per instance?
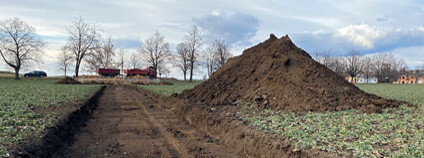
(127, 124)
(173, 142)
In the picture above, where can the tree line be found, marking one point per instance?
(87, 50)
(383, 66)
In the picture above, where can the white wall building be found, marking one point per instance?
(362, 79)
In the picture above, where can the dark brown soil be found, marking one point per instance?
(277, 75)
(126, 123)
(68, 80)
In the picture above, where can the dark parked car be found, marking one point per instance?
(36, 74)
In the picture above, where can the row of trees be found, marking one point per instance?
(384, 66)
(86, 49)
(155, 51)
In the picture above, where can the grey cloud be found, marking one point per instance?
(234, 27)
(398, 39)
(127, 42)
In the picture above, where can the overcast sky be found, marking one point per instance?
(370, 26)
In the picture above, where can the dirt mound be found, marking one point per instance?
(68, 80)
(278, 75)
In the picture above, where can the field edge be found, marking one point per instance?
(54, 136)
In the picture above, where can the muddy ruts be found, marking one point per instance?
(53, 137)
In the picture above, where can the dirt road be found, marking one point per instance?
(126, 124)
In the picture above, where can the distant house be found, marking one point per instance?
(411, 77)
(361, 79)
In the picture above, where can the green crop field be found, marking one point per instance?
(393, 133)
(411, 93)
(17, 120)
(168, 90)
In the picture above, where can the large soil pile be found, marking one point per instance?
(278, 75)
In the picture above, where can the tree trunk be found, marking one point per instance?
(367, 78)
(16, 73)
(76, 70)
(185, 78)
(191, 72)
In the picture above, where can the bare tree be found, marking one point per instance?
(155, 50)
(108, 53)
(367, 69)
(386, 68)
(401, 66)
(163, 70)
(19, 44)
(101, 56)
(354, 64)
(378, 61)
(338, 65)
(222, 53)
(211, 62)
(324, 57)
(82, 37)
(181, 59)
(134, 61)
(193, 41)
(335, 63)
(65, 59)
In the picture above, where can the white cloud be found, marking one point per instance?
(421, 28)
(363, 35)
(413, 56)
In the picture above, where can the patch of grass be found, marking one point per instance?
(7, 74)
(17, 97)
(168, 90)
(397, 132)
(411, 93)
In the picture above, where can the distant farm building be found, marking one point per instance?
(361, 79)
(411, 77)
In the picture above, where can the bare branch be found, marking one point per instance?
(101, 56)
